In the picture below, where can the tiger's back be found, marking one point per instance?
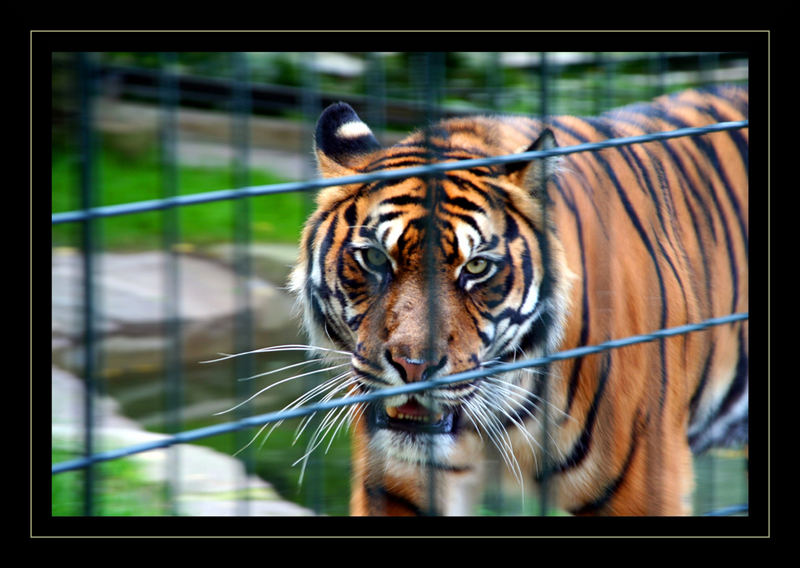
(657, 234)
(532, 258)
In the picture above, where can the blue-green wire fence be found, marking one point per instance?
(243, 105)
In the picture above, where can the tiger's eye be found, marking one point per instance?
(477, 266)
(375, 257)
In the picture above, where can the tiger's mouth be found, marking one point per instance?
(412, 417)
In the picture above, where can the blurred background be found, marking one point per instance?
(169, 287)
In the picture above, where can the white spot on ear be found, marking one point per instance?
(354, 129)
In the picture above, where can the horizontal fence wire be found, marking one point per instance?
(417, 171)
(260, 420)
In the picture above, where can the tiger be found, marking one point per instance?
(419, 277)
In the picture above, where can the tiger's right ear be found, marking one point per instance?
(341, 139)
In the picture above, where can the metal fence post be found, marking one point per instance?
(86, 88)
(168, 134)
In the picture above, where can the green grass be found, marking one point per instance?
(721, 480)
(121, 179)
(326, 483)
(122, 490)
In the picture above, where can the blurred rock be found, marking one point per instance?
(206, 483)
(131, 304)
(205, 137)
(271, 261)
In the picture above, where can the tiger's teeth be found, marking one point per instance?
(394, 413)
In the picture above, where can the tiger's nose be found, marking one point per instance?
(413, 369)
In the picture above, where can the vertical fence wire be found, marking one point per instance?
(602, 92)
(658, 73)
(168, 132)
(544, 485)
(431, 75)
(494, 81)
(493, 498)
(86, 88)
(310, 102)
(241, 109)
(375, 114)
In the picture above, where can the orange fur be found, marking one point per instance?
(615, 243)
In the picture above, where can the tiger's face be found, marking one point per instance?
(429, 295)
(420, 278)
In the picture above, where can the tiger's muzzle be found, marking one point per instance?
(413, 415)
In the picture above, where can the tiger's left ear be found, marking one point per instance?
(534, 174)
(341, 139)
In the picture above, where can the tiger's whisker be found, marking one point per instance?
(268, 387)
(287, 367)
(317, 390)
(273, 349)
(501, 404)
(331, 419)
(334, 389)
(497, 381)
(496, 433)
(502, 397)
(298, 402)
(351, 411)
(344, 419)
(277, 423)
